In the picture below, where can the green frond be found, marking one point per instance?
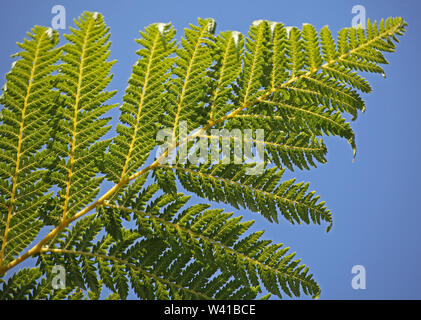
(20, 285)
(24, 131)
(294, 146)
(311, 47)
(263, 193)
(310, 71)
(212, 235)
(297, 85)
(142, 108)
(185, 96)
(314, 120)
(31, 284)
(251, 77)
(228, 51)
(322, 90)
(294, 50)
(195, 253)
(277, 61)
(85, 73)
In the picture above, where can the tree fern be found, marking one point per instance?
(142, 236)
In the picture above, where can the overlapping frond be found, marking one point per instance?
(263, 193)
(143, 102)
(85, 74)
(311, 83)
(228, 52)
(27, 98)
(175, 253)
(294, 146)
(186, 91)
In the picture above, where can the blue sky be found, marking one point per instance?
(374, 200)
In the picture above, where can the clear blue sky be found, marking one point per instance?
(374, 201)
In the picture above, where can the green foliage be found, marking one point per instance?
(142, 107)
(27, 98)
(259, 193)
(173, 253)
(84, 74)
(186, 92)
(141, 236)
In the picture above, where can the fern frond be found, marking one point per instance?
(251, 78)
(296, 84)
(312, 119)
(219, 234)
(20, 285)
(228, 51)
(84, 76)
(277, 63)
(312, 75)
(27, 99)
(284, 149)
(186, 91)
(142, 107)
(31, 284)
(196, 253)
(259, 193)
(295, 145)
